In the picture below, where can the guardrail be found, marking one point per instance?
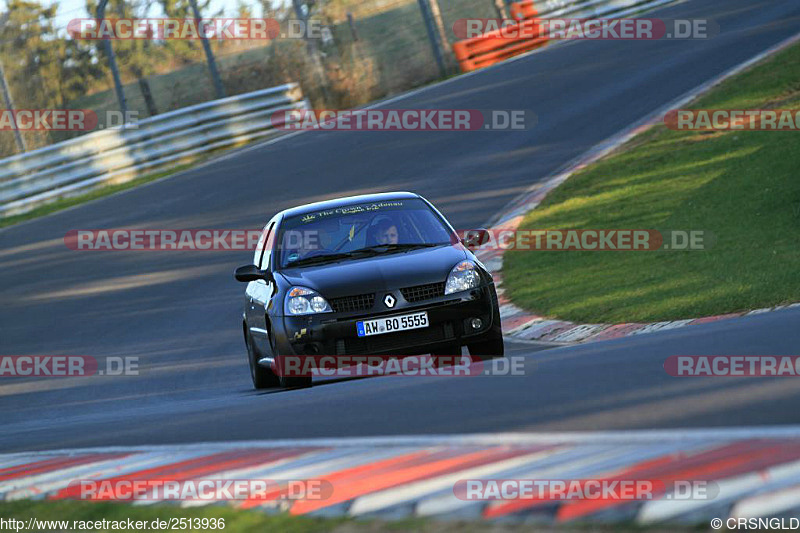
(496, 46)
(118, 155)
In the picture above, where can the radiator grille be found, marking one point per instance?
(348, 304)
(423, 292)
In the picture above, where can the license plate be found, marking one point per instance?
(390, 324)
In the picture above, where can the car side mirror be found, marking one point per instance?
(474, 238)
(251, 273)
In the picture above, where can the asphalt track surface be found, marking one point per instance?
(179, 312)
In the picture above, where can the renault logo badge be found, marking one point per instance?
(389, 300)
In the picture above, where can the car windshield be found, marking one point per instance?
(360, 230)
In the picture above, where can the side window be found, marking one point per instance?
(261, 258)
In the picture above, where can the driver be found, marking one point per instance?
(386, 232)
(321, 237)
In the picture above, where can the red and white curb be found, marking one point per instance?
(521, 324)
(755, 472)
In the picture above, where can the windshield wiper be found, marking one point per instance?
(360, 252)
(383, 248)
(319, 259)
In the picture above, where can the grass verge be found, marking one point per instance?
(236, 521)
(741, 186)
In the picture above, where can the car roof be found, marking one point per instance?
(347, 200)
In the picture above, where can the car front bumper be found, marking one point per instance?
(449, 320)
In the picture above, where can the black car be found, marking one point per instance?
(380, 274)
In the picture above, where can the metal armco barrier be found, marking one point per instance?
(523, 10)
(496, 46)
(114, 156)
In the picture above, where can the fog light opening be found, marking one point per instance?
(476, 323)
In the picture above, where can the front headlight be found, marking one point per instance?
(304, 301)
(463, 277)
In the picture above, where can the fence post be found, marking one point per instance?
(10, 107)
(500, 7)
(7, 95)
(112, 62)
(429, 27)
(437, 18)
(144, 87)
(352, 24)
(313, 50)
(212, 65)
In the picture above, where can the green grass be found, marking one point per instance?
(237, 521)
(234, 521)
(741, 186)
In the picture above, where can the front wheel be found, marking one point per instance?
(447, 356)
(290, 382)
(295, 383)
(489, 348)
(263, 378)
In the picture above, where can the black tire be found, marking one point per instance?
(295, 383)
(488, 349)
(493, 346)
(292, 382)
(447, 356)
(453, 349)
(263, 378)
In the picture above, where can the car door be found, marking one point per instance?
(258, 292)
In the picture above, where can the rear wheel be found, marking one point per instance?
(263, 378)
